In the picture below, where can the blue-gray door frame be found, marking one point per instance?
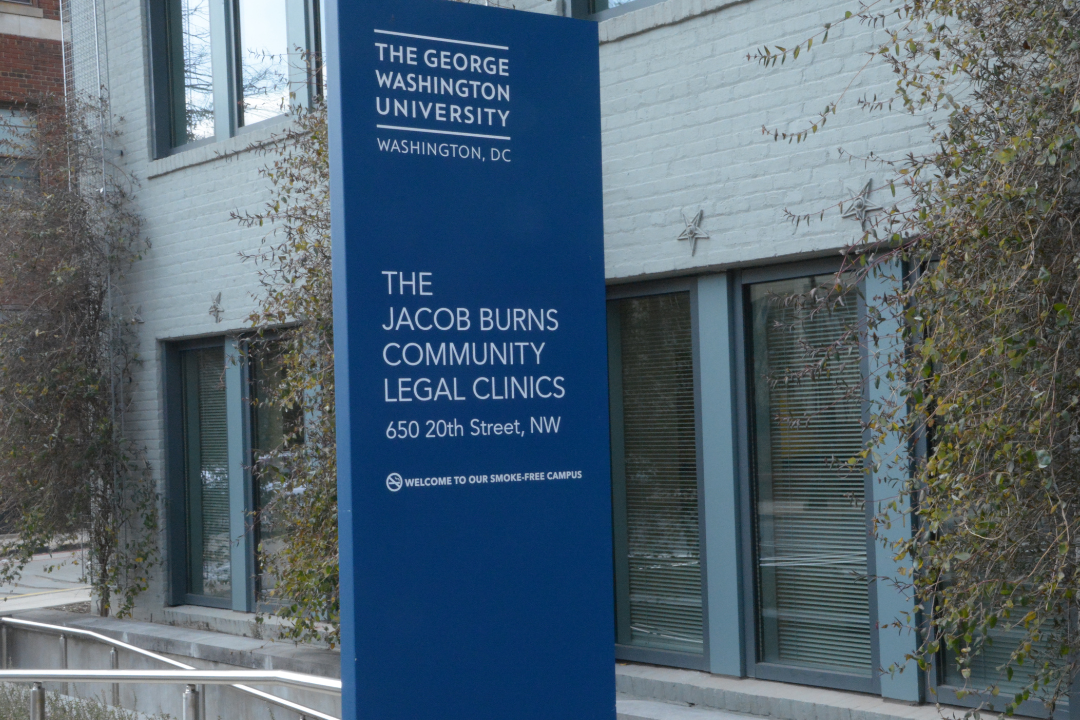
(897, 613)
(241, 501)
(769, 671)
(633, 653)
(722, 547)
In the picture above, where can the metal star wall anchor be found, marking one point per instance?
(693, 231)
(861, 206)
(215, 307)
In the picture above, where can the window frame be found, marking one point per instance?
(742, 280)
(946, 695)
(583, 9)
(633, 653)
(9, 113)
(253, 531)
(178, 545)
(241, 488)
(302, 30)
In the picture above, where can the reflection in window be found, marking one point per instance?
(655, 481)
(987, 668)
(262, 55)
(206, 454)
(18, 167)
(274, 430)
(811, 527)
(190, 73)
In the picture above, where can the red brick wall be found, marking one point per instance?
(51, 8)
(28, 68)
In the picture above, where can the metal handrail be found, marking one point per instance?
(64, 630)
(179, 677)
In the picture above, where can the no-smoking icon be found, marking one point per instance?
(393, 482)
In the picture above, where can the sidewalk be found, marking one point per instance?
(39, 587)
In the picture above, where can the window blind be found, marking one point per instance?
(206, 438)
(811, 526)
(659, 438)
(987, 668)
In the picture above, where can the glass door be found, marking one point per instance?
(206, 465)
(655, 477)
(810, 521)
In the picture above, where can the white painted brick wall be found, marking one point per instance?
(195, 246)
(682, 111)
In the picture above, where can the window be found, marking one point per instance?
(262, 56)
(18, 166)
(809, 508)
(191, 78)
(206, 465)
(604, 9)
(986, 672)
(274, 432)
(225, 446)
(223, 65)
(658, 574)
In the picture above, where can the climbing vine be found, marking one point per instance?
(987, 391)
(294, 325)
(68, 475)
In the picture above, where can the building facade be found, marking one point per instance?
(742, 548)
(31, 66)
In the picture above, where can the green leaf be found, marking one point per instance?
(1005, 156)
(1043, 457)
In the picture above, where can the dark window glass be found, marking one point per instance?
(262, 56)
(655, 483)
(206, 454)
(18, 167)
(191, 88)
(811, 524)
(987, 669)
(275, 434)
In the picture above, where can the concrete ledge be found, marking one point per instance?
(203, 645)
(29, 27)
(629, 708)
(698, 690)
(17, 8)
(231, 622)
(219, 150)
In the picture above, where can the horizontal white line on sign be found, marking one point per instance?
(442, 132)
(439, 39)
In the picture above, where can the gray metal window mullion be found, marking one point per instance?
(618, 477)
(241, 495)
(719, 502)
(885, 347)
(223, 67)
(301, 32)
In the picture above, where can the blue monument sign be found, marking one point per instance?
(474, 505)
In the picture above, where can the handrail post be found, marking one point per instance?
(115, 661)
(191, 703)
(64, 661)
(37, 702)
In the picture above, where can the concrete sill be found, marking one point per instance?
(656, 693)
(15, 8)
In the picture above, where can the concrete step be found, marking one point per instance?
(632, 708)
(702, 695)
